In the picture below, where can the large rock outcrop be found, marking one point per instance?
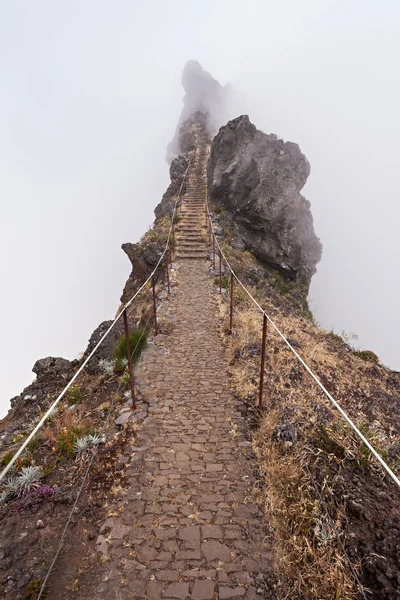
(258, 178)
(203, 94)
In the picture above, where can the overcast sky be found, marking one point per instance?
(90, 96)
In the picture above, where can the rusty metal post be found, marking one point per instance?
(264, 339)
(220, 272)
(154, 307)
(129, 357)
(167, 269)
(213, 251)
(231, 310)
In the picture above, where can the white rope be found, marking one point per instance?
(85, 476)
(333, 401)
(62, 394)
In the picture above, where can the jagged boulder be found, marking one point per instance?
(143, 260)
(258, 178)
(51, 364)
(106, 349)
(177, 172)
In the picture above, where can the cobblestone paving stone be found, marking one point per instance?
(188, 528)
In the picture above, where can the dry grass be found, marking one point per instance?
(309, 560)
(65, 421)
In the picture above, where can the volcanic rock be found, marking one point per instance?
(51, 364)
(258, 178)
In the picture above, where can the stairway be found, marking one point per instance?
(191, 230)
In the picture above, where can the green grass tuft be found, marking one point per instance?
(137, 342)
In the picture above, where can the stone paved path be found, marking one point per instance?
(188, 528)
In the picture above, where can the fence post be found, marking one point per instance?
(213, 252)
(220, 272)
(154, 307)
(129, 357)
(167, 267)
(264, 338)
(231, 310)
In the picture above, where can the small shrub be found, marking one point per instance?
(67, 439)
(219, 209)
(47, 470)
(226, 282)
(75, 395)
(177, 218)
(367, 356)
(32, 589)
(284, 285)
(137, 342)
(337, 340)
(34, 444)
(125, 379)
(308, 315)
(7, 458)
(3, 498)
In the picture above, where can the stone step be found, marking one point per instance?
(195, 247)
(180, 256)
(192, 219)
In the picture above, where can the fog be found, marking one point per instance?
(90, 97)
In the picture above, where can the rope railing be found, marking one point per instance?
(84, 479)
(117, 318)
(216, 250)
(268, 319)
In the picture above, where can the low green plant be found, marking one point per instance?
(34, 444)
(226, 282)
(336, 339)
(219, 209)
(29, 478)
(137, 343)
(283, 285)
(83, 444)
(308, 315)
(32, 589)
(75, 395)
(367, 356)
(125, 379)
(47, 470)
(107, 366)
(24, 461)
(66, 441)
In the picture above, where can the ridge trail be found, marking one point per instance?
(188, 527)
